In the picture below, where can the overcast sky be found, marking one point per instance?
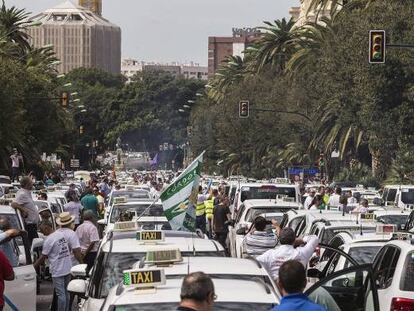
(176, 30)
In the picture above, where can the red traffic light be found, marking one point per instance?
(244, 109)
(377, 46)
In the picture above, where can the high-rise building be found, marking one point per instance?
(219, 48)
(94, 6)
(303, 14)
(79, 38)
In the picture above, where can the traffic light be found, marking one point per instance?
(377, 46)
(244, 110)
(64, 99)
(81, 130)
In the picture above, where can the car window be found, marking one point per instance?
(363, 254)
(391, 195)
(385, 268)
(240, 212)
(407, 277)
(398, 220)
(294, 223)
(351, 289)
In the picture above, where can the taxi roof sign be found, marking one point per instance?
(404, 236)
(120, 200)
(144, 278)
(163, 256)
(150, 236)
(367, 217)
(125, 226)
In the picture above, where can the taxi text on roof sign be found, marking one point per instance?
(150, 236)
(144, 277)
(367, 216)
(120, 200)
(125, 226)
(163, 256)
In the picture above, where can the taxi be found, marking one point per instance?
(122, 248)
(394, 273)
(125, 210)
(248, 211)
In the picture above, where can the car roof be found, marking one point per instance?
(217, 265)
(6, 209)
(270, 203)
(241, 291)
(364, 239)
(184, 244)
(403, 245)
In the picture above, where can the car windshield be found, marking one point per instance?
(13, 220)
(266, 192)
(135, 195)
(398, 220)
(267, 212)
(128, 212)
(407, 196)
(222, 306)
(329, 233)
(363, 254)
(407, 276)
(115, 263)
(156, 225)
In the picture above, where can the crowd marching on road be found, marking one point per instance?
(89, 238)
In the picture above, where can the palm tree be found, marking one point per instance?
(13, 24)
(274, 46)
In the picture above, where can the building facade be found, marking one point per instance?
(219, 48)
(131, 67)
(79, 38)
(303, 15)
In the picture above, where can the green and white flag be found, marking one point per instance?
(179, 200)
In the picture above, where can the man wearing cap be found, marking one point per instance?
(25, 204)
(67, 223)
(290, 248)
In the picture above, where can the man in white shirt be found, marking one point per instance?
(16, 157)
(309, 199)
(56, 249)
(334, 199)
(290, 248)
(67, 224)
(88, 236)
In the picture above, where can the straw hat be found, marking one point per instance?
(65, 219)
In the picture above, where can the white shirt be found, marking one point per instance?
(73, 242)
(74, 209)
(88, 233)
(274, 258)
(334, 200)
(308, 202)
(56, 248)
(352, 200)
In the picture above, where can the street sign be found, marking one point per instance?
(74, 163)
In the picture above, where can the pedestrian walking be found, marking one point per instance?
(57, 251)
(258, 240)
(290, 248)
(6, 274)
(197, 293)
(292, 282)
(334, 199)
(90, 202)
(88, 236)
(201, 210)
(25, 204)
(73, 207)
(221, 216)
(16, 158)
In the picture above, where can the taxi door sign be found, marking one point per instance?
(144, 277)
(150, 236)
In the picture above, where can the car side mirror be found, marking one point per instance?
(37, 243)
(77, 287)
(79, 271)
(241, 231)
(313, 273)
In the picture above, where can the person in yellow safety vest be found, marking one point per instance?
(209, 206)
(201, 210)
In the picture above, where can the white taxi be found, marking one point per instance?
(248, 211)
(121, 250)
(394, 273)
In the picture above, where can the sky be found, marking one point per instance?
(176, 30)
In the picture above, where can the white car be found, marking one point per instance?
(394, 274)
(248, 211)
(121, 250)
(21, 292)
